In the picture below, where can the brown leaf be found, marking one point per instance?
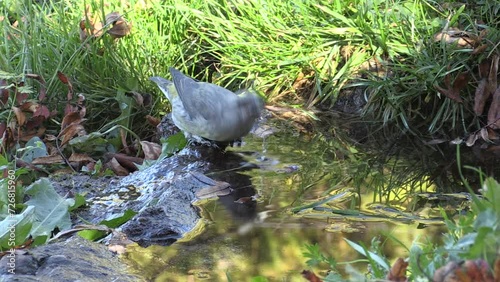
(125, 161)
(310, 276)
(452, 91)
(70, 118)
(3, 127)
(43, 91)
(492, 76)
(484, 68)
(398, 271)
(80, 158)
(496, 270)
(445, 272)
(151, 150)
(481, 96)
(139, 100)
(494, 112)
(70, 109)
(42, 111)
(48, 160)
(70, 131)
(20, 116)
(461, 81)
(485, 134)
(117, 168)
(120, 27)
(152, 120)
(480, 49)
(42, 94)
(62, 77)
(470, 270)
(123, 138)
(28, 106)
(477, 270)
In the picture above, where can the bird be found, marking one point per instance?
(205, 111)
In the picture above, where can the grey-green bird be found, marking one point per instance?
(202, 109)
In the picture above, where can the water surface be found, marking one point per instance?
(292, 191)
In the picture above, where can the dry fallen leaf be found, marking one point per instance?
(80, 158)
(120, 27)
(310, 276)
(494, 112)
(126, 162)
(69, 132)
(48, 160)
(492, 76)
(71, 118)
(151, 150)
(398, 271)
(452, 91)
(152, 120)
(115, 166)
(20, 116)
(481, 96)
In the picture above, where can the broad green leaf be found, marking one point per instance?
(34, 148)
(51, 210)
(20, 224)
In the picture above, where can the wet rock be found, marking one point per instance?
(168, 189)
(73, 260)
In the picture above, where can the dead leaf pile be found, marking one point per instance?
(30, 112)
(72, 145)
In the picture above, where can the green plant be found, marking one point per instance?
(37, 218)
(470, 236)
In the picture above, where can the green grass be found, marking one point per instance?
(264, 43)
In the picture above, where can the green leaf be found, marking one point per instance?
(34, 148)
(79, 202)
(117, 220)
(51, 210)
(21, 225)
(371, 255)
(92, 235)
(173, 144)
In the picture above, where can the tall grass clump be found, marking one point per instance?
(408, 94)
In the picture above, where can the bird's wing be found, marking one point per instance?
(201, 99)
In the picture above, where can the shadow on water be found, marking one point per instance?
(290, 191)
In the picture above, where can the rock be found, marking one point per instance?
(73, 260)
